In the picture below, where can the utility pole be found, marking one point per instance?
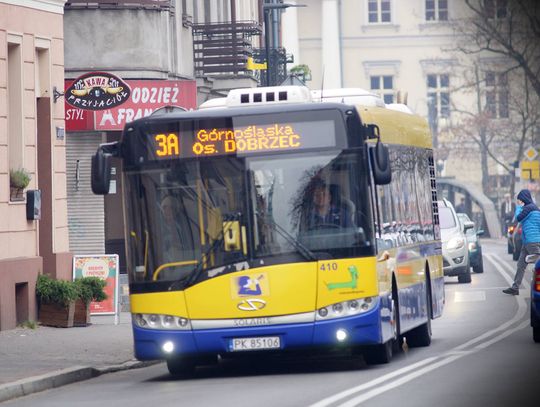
(267, 8)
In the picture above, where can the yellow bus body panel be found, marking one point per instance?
(397, 127)
(166, 303)
(409, 267)
(346, 279)
(278, 290)
(285, 289)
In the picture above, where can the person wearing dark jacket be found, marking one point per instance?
(528, 214)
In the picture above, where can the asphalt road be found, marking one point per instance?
(482, 354)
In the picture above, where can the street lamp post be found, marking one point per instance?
(267, 7)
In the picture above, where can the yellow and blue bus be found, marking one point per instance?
(278, 223)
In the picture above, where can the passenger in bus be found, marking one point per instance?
(326, 209)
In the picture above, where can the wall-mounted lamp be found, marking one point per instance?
(56, 94)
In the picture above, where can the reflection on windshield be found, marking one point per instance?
(194, 217)
(446, 219)
(312, 198)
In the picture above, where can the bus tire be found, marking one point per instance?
(421, 335)
(397, 341)
(181, 366)
(378, 354)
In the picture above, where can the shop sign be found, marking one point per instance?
(97, 91)
(146, 97)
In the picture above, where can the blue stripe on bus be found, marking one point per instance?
(361, 329)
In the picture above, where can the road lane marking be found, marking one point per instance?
(432, 363)
(332, 399)
(469, 296)
(375, 392)
(521, 311)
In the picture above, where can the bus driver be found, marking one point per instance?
(325, 210)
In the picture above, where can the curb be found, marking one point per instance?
(58, 378)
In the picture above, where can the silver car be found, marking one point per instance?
(455, 251)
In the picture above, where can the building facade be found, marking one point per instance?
(168, 52)
(409, 51)
(31, 138)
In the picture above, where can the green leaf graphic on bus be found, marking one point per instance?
(346, 284)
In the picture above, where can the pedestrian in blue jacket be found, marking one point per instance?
(528, 214)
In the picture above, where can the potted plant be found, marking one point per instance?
(88, 289)
(56, 299)
(18, 181)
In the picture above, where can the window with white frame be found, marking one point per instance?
(497, 94)
(496, 9)
(436, 10)
(384, 86)
(379, 11)
(438, 96)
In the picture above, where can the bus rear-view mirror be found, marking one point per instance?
(380, 164)
(101, 172)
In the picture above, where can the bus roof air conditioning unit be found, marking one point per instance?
(268, 95)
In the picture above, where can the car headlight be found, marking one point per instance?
(157, 321)
(455, 243)
(346, 308)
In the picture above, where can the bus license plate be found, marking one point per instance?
(267, 342)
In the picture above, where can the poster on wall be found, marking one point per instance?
(104, 266)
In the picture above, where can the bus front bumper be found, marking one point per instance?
(363, 329)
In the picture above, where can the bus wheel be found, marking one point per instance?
(181, 366)
(397, 338)
(378, 354)
(421, 335)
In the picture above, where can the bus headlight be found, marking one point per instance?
(346, 308)
(158, 321)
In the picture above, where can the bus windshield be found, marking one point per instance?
(197, 218)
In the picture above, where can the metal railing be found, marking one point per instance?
(125, 4)
(222, 49)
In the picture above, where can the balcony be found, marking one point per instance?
(119, 4)
(222, 49)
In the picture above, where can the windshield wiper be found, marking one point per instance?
(194, 274)
(303, 250)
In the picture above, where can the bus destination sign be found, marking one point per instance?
(244, 140)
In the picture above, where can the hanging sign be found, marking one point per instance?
(97, 91)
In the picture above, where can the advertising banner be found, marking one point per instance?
(104, 266)
(145, 97)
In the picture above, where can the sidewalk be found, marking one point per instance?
(33, 360)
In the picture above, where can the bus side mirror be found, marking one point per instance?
(101, 172)
(380, 164)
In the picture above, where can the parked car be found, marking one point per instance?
(535, 296)
(454, 243)
(473, 242)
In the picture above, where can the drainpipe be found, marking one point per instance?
(340, 34)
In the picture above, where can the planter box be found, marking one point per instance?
(57, 315)
(81, 316)
(16, 194)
